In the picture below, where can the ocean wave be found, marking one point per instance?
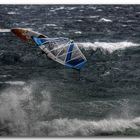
(25, 111)
(37, 58)
(20, 109)
(76, 127)
(109, 46)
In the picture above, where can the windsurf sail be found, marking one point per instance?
(62, 50)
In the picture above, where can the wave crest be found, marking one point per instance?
(109, 46)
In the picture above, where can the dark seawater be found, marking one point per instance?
(39, 97)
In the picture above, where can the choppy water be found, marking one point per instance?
(39, 97)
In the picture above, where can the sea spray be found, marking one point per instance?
(20, 110)
(76, 127)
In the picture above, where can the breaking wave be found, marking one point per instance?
(20, 109)
(25, 111)
(109, 46)
(76, 127)
(33, 56)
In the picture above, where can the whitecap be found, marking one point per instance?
(94, 8)
(124, 25)
(4, 30)
(105, 20)
(99, 10)
(20, 83)
(76, 127)
(71, 8)
(79, 20)
(109, 46)
(93, 16)
(54, 25)
(59, 8)
(11, 13)
(78, 32)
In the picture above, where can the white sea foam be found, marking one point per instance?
(12, 13)
(20, 83)
(20, 108)
(76, 127)
(93, 16)
(71, 8)
(94, 8)
(79, 20)
(54, 25)
(23, 112)
(4, 30)
(99, 10)
(11, 110)
(78, 32)
(105, 20)
(59, 8)
(109, 46)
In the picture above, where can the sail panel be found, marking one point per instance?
(63, 51)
